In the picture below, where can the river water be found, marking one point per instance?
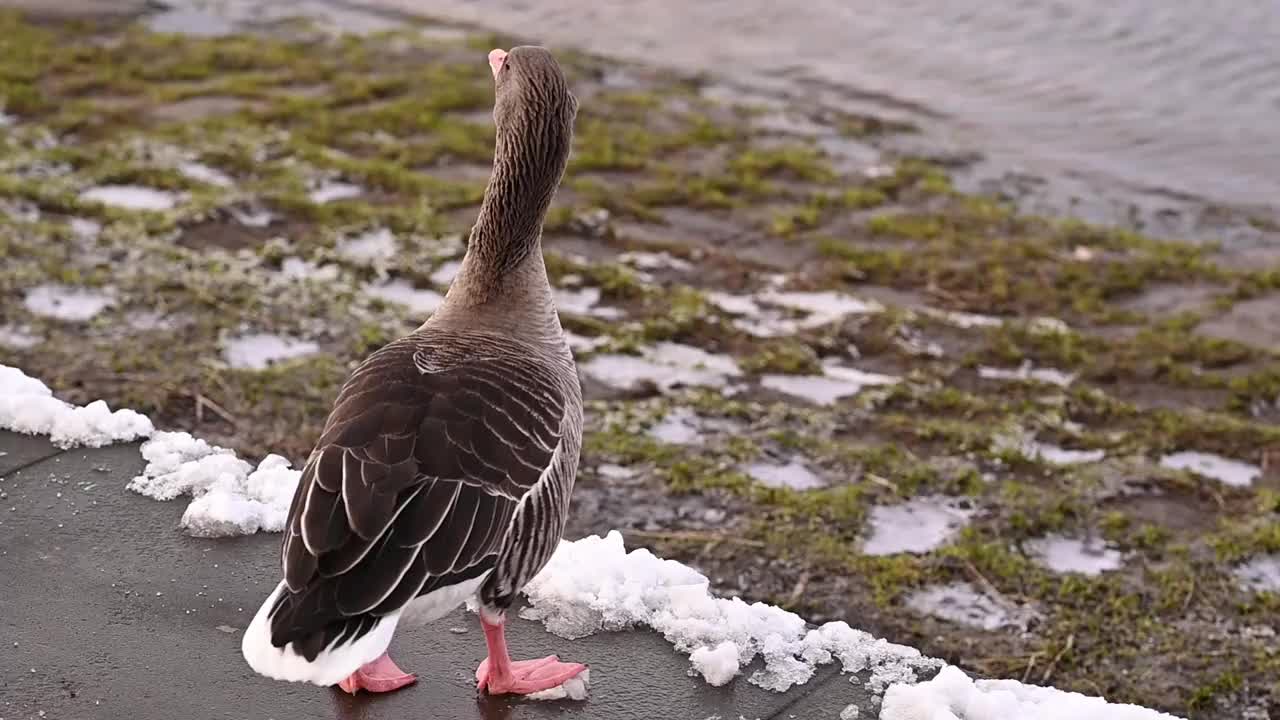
(1169, 95)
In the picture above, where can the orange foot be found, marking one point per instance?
(523, 677)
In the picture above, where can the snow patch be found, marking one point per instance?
(594, 584)
(666, 364)
(230, 497)
(835, 383)
(1215, 467)
(1027, 446)
(18, 337)
(952, 695)
(331, 191)
(1261, 573)
(678, 427)
(916, 526)
(1028, 372)
(28, 406)
(295, 268)
(444, 275)
(716, 665)
(964, 604)
(258, 351)
(64, 302)
(583, 302)
(205, 174)
(373, 247)
(1075, 555)
(419, 300)
(131, 197)
(792, 475)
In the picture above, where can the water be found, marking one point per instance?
(1177, 96)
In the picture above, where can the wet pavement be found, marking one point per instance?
(107, 610)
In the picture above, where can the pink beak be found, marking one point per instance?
(496, 58)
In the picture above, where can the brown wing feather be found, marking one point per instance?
(413, 483)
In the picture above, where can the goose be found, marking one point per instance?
(445, 467)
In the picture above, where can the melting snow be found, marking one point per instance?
(1261, 573)
(258, 351)
(655, 261)
(205, 174)
(447, 271)
(1073, 555)
(328, 192)
(962, 320)
(678, 427)
(252, 217)
(666, 365)
(28, 406)
(419, 300)
(373, 247)
(583, 344)
(916, 526)
(792, 475)
(295, 268)
(836, 382)
(594, 584)
(962, 603)
(230, 497)
(86, 229)
(1032, 449)
(952, 695)
(1028, 372)
(817, 309)
(131, 197)
(583, 302)
(64, 302)
(1224, 470)
(18, 337)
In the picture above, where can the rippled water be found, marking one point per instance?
(1167, 94)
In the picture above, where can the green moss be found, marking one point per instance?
(786, 357)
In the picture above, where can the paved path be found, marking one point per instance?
(107, 610)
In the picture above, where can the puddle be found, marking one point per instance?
(1028, 372)
(18, 337)
(666, 365)
(65, 302)
(916, 526)
(1215, 467)
(792, 475)
(678, 427)
(583, 302)
(373, 247)
(131, 197)
(1261, 574)
(837, 382)
(332, 191)
(258, 351)
(205, 174)
(963, 604)
(1032, 449)
(419, 300)
(1072, 555)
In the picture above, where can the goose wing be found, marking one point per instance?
(413, 484)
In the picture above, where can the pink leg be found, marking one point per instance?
(381, 675)
(499, 675)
